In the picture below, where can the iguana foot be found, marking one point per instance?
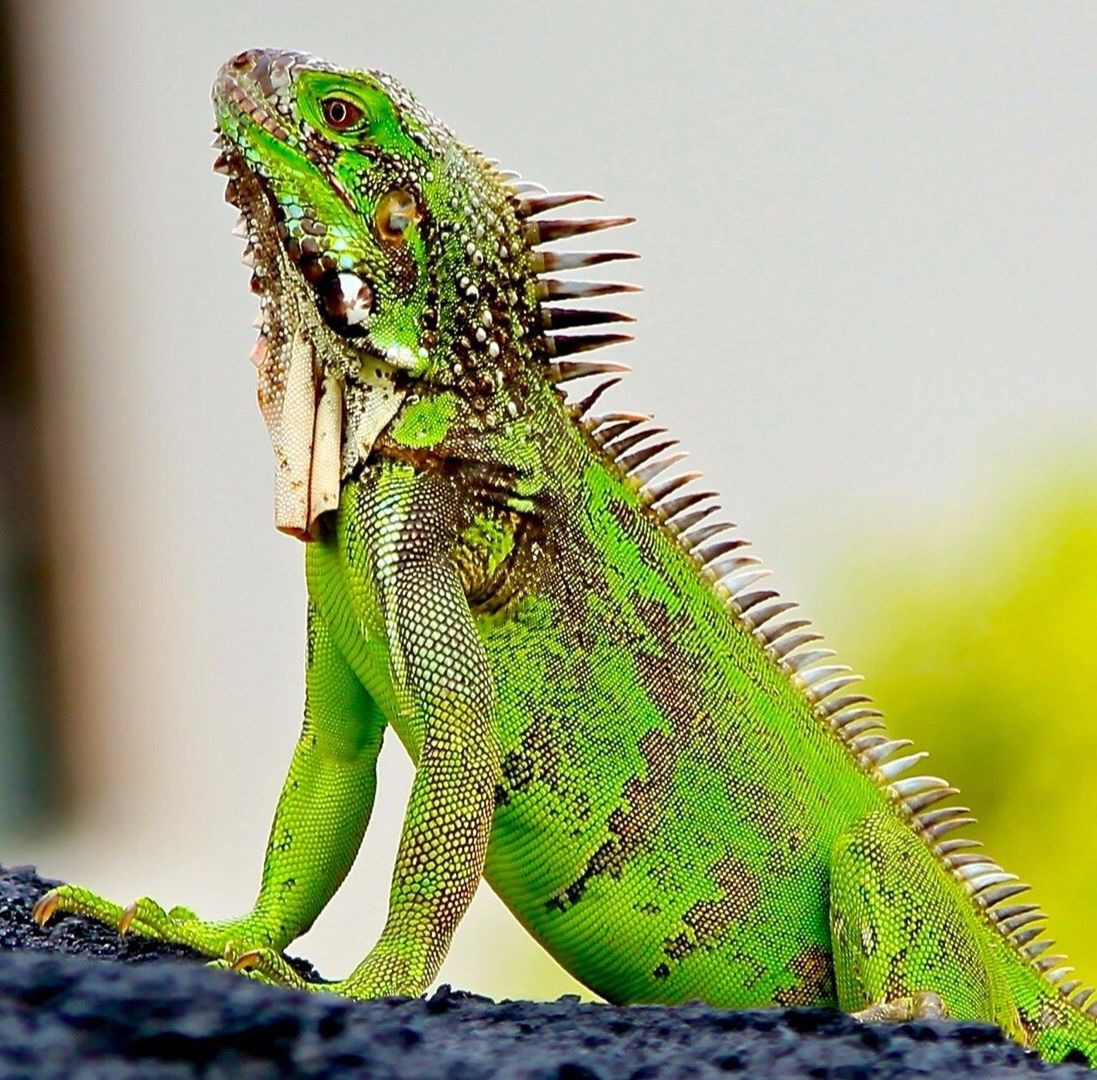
(925, 1005)
(382, 974)
(179, 926)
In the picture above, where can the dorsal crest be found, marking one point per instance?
(560, 321)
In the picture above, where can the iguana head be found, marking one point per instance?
(394, 265)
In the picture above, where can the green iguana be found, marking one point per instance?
(665, 778)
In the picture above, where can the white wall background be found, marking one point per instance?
(868, 234)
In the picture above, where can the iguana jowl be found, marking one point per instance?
(665, 778)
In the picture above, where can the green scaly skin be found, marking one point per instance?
(667, 783)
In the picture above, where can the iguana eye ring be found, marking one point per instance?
(340, 114)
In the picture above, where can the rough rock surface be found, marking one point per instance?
(127, 1008)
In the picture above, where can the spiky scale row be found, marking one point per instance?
(654, 492)
(531, 200)
(769, 635)
(621, 445)
(692, 538)
(851, 717)
(647, 473)
(771, 610)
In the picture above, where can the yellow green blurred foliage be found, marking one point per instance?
(978, 635)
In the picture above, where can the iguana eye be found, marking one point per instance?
(340, 114)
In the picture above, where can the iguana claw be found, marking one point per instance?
(126, 921)
(45, 908)
(269, 966)
(244, 961)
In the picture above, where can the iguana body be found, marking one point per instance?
(663, 777)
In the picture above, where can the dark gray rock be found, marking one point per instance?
(76, 1001)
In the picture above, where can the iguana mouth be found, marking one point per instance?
(343, 298)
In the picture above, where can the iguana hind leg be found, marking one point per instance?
(318, 825)
(906, 939)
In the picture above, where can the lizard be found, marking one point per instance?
(664, 776)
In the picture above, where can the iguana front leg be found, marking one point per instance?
(318, 825)
(444, 692)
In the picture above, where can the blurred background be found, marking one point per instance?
(870, 261)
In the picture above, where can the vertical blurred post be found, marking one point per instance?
(26, 713)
